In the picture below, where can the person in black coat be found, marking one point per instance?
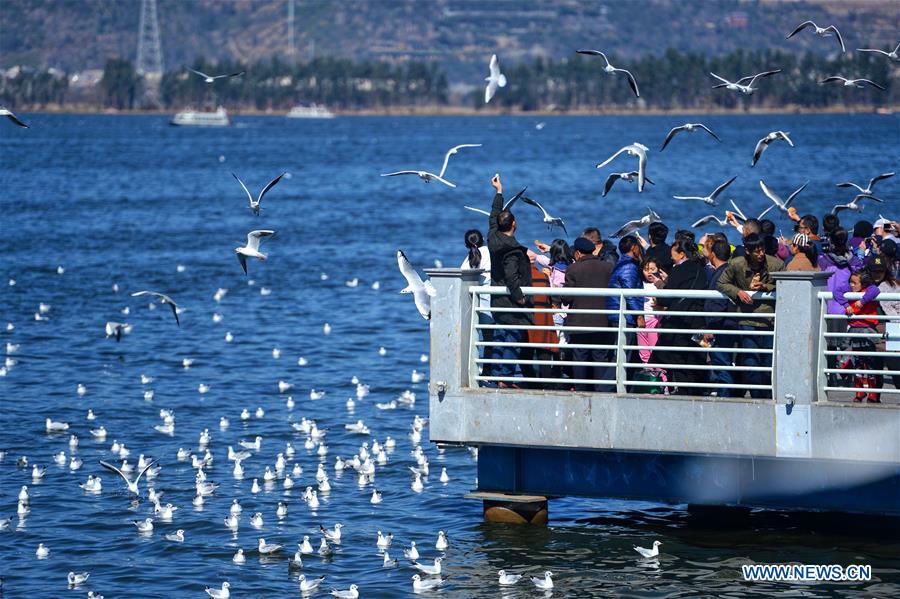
(688, 272)
(510, 267)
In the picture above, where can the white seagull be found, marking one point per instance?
(222, 593)
(894, 56)
(266, 548)
(163, 299)
(872, 182)
(550, 221)
(854, 204)
(77, 579)
(332, 535)
(858, 83)
(613, 70)
(648, 553)
(309, 585)
(635, 149)
(508, 579)
(430, 570)
(613, 177)
(132, 485)
(820, 31)
(739, 86)
(251, 250)
(422, 291)
(545, 583)
(779, 203)
(428, 177)
(636, 225)
(690, 128)
(352, 593)
(212, 78)
(9, 114)
(115, 329)
(426, 584)
(495, 79)
(711, 198)
(254, 204)
(722, 222)
(763, 144)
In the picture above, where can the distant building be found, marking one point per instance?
(84, 79)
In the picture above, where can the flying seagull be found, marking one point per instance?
(9, 114)
(854, 204)
(550, 221)
(690, 128)
(763, 144)
(422, 290)
(710, 218)
(428, 177)
(741, 217)
(132, 485)
(872, 182)
(509, 203)
(739, 86)
(212, 78)
(776, 199)
(114, 329)
(495, 80)
(164, 299)
(254, 204)
(851, 82)
(636, 225)
(613, 177)
(251, 250)
(894, 56)
(711, 198)
(613, 70)
(635, 149)
(820, 31)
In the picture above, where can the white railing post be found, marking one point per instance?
(620, 347)
(797, 338)
(821, 361)
(450, 341)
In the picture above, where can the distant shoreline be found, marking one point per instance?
(462, 111)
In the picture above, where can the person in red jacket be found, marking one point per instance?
(861, 282)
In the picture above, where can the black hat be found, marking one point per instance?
(583, 245)
(888, 248)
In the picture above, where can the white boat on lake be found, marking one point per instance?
(191, 118)
(312, 111)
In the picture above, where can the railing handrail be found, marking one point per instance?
(616, 292)
(891, 297)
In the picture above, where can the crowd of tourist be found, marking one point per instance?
(678, 342)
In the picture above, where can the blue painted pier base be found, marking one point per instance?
(781, 483)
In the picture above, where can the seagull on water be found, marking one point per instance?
(441, 544)
(550, 221)
(132, 485)
(9, 114)
(254, 204)
(613, 70)
(42, 551)
(352, 593)
(422, 291)
(829, 31)
(332, 535)
(894, 56)
(77, 579)
(854, 204)
(384, 541)
(629, 177)
(212, 78)
(711, 198)
(508, 579)
(144, 526)
(635, 149)
(251, 250)
(426, 584)
(872, 182)
(266, 548)
(495, 79)
(690, 128)
(310, 585)
(858, 83)
(163, 299)
(648, 553)
(430, 570)
(636, 225)
(545, 583)
(739, 85)
(239, 557)
(763, 144)
(412, 554)
(776, 199)
(428, 177)
(176, 537)
(222, 593)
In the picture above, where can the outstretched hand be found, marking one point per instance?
(495, 183)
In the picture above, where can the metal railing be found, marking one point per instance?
(622, 361)
(848, 355)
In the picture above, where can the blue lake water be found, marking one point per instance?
(127, 200)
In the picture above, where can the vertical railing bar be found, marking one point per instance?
(620, 351)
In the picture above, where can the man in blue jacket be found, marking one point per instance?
(627, 275)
